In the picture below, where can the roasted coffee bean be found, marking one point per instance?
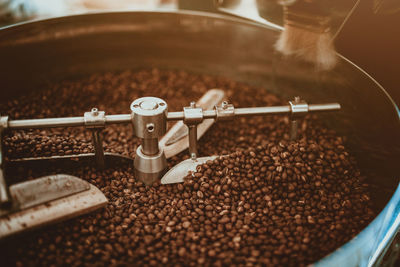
(270, 202)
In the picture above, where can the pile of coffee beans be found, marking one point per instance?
(267, 201)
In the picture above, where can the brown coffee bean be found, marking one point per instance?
(200, 194)
(270, 202)
(186, 224)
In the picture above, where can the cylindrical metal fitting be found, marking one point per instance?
(149, 169)
(150, 146)
(149, 117)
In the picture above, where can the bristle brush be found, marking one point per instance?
(307, 34)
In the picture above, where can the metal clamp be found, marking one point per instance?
(96, 121)
(224, 112)
(3, 122)
(298, 109)
(192, 114)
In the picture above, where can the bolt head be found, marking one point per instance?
(95, 111)
(148, 104)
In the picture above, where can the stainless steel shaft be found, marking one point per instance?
(171, 116)
(150, 146)
(193, 141)
(259, 111)
(64, 122)
(98, 148)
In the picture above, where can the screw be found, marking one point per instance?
(150, 127)
(95, 111)
(192, 104)
(224, 105)
(297, 99)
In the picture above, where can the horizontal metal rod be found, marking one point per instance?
(63, 122)
(283, 109)
(324, 107)
(178, 115)
(122, 118)
(261, 111)
(46, 123)
(175, 116)
(171, 116)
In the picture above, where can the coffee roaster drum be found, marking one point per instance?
(64, 48)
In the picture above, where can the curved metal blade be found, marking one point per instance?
(31, 193)
(42, 190)
(52, 211)
(180, 170)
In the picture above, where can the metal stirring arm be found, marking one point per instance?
(149, 117)
(217, 113)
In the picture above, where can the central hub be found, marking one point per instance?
(149, 107)
(149, 119)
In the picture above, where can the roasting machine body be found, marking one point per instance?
(68, 47)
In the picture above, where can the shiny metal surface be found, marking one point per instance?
(170, 116)
(56, 210)
(42, 190)
(149, 168)
(193, 141)
(95, 120)
(68, 47)
(149, 117)
(64, 122)
(149, 120)
(179, 171)
(150, 146)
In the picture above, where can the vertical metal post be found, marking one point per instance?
(192, 117)
(95, 121)
(193, 141)
(150, 146)
(5, 198)
(298, 109)
(294, 125)
(98, 148)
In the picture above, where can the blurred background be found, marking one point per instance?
(370, 37)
